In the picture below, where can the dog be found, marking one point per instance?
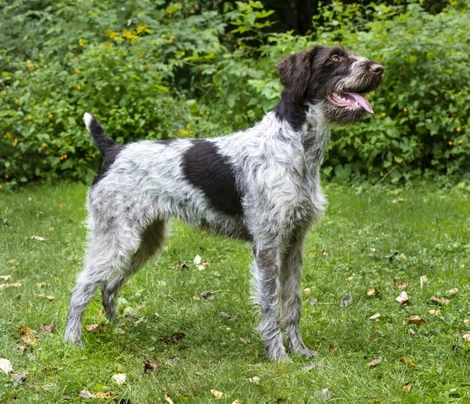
(260, 185)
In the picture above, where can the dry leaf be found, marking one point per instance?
(440, 300)
(435, 312)
(5, 277)
(119, 378)
(29, 339)
(374, 363)
(10, 285)
(453, 291)
(150, 366)
(173, 338)
(408, 362)
(400, 284)
(20, 379)
(375, 317)
(308, 291)
(417, 320)
(406, 387)
(41, 284)
(37, 238)
(466, 336)
(44, 296)
(218, 394)
(372, 292)
(346, 301)
(237, 401)
(403, 299)
(49, 387)
(95, 327)
(167, 398)
(254, 379)
(224, 315)
(86, 394)
(325, 253)
(48, 328)
(5, 366)
(106, 395)
(422, 280)
(197, 260)
(323, 394)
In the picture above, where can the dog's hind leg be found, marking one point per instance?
(290, 277)
(151, 242)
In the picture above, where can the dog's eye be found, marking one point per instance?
(335, 58)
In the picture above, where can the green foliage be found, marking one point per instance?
(162, 70)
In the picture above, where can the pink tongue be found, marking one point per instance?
(362, 102)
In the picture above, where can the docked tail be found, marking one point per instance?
(99, 136)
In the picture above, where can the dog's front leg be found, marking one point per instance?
(290, 277)
(266, 289)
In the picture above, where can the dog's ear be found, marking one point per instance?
(295, 71)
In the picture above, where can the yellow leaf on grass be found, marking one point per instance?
(218, 394)
(44, 296)
(10, 285)
(417, 320)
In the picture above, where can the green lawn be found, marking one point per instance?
(373, 244)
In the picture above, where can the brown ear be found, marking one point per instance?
(295, 71)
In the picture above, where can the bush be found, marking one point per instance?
(162, 70)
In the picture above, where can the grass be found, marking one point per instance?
(371, 244)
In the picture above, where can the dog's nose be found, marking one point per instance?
(376, 68)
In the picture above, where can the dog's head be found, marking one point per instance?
(334, 77)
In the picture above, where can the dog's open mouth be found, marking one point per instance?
(351, 101)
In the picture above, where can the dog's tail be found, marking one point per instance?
(99, 136)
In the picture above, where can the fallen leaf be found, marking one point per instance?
(323, 394)
(400, 284)
(224, 315)
(466, 336)
(41, 284)
(49, 387)
(20, 379)
(37, 238)
(197, 260)
(435, 312)
(372, 292)
(308, 291)
(312, 300)
(207, 295)
(237, 401)
(403, 299)
(47, 328)
(10, 285)
(346, 301)
(440, 300)
(167, 398)
(453, 291)
(29, 339)
(5, 366)
(391, 256)
(173, 338)
(44, 296)
(417, 320)
(106, 395)
(218, 394)
(119, 378)
(374, 363)
(422, 280)
(406, 387)
(5, 277)
(85, 394)
(375, 317)
(150, 366)
(95, 327)
(408, 362)
(325, 253)
(254, 379)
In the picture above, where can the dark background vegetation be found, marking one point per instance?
(163, 69)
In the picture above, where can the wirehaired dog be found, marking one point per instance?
(260, 185)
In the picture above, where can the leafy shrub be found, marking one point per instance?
(163, 70)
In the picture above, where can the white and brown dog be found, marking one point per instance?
(260, 185)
